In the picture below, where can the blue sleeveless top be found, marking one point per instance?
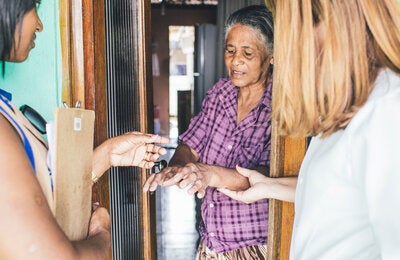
(6, 97)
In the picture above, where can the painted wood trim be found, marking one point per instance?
(95, 92)
(78, 67)
(146, 115)
(65, 38)
(73, 83)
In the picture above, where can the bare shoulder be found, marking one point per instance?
(15, 168)
(11, 146)
(24, 208)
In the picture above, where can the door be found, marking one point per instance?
(106, 63)
(204, 62)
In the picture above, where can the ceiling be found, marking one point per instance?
(186, 2)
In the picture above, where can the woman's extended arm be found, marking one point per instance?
(262, 187)
(130, 149)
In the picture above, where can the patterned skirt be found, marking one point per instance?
(258, 252)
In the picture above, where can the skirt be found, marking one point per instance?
(244, 253)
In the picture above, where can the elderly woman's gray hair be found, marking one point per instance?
(257, 17)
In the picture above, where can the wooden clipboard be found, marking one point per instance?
(72, 167)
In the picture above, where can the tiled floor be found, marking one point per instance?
(176, 223)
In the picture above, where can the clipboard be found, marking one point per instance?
(72, 167)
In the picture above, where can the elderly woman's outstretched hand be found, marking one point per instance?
(166, 177)
(193, 176)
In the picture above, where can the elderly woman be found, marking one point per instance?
(232, 128)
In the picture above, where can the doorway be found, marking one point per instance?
(175, 209)
(176, 217)
(181, 59)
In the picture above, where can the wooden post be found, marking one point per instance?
(286, 157)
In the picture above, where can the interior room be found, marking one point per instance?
(173, 47)
(186, 53)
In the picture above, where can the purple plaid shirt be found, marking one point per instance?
(228, 224)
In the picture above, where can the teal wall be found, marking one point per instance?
(37, 81)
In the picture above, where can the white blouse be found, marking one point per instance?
(348, 193)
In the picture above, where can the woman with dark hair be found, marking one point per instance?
(11, 13)
(28, 227)
(338, 80)
(232, 128)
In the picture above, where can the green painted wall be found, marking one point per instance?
(37, 81)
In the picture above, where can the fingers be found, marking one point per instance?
(159, 139)
(155, 180)
(183, 177)
(199, 187)
(149, 141)
(148, 160)
(151, 157)
(152, 148)
(201, 194)
(189, 177)
(146, 165)
(149, 138)
(230, 193)
(174, 175)
(244, 171)
(194, 181)
(149, 182)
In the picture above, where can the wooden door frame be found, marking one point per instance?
(83, 58)
(143, 21)
(83, 48)
(286, 157)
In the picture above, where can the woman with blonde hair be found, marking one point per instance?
(337, 78)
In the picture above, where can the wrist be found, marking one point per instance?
(101, 160)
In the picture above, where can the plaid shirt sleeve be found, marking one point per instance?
(265, 154)
(199, 128)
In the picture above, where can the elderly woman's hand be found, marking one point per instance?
(166, 176)
(130, 149)
(196, 176)
(193, 175)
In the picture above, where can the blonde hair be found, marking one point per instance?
(318, 91)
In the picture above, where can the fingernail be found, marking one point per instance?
(154, 136)
(97, 203)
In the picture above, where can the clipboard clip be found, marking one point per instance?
(77, 104)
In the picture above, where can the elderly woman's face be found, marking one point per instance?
(246, 57)
(25, 35)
